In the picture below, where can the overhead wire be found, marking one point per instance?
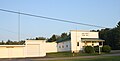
(55, 19)
(3, 29)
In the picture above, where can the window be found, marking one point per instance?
(62, 46)
(83, 35)
(86, 34)
(92, 44)
(66, 45)
(59, 46)
(77, 43)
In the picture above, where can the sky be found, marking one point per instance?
(104, 13)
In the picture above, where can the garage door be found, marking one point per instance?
(33, 50)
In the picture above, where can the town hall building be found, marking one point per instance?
(79, 39)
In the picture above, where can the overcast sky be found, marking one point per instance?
(97, 12)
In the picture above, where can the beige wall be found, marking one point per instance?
(33, 48)
(10, 51)
(75, 37)
(51, 47)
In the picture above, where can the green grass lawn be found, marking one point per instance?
(106, 58)
(69, 54)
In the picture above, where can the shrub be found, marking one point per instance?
(96, 48)
(89, 49)
(106, 49)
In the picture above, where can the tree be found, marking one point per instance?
(117, 36)
(52, 39)
(118, 25)
(2, 43)
(104, 34)
(22, 42)
(64, 35)
(9, 42)
(40, 38)
(111, 36)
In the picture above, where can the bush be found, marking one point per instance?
(89, 49)
(106, 49)
(96, 48)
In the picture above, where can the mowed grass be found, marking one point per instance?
(106, 58)
(69, 54)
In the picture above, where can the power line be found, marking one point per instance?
(51, 18)
(8, 30)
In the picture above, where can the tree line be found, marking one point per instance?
(111, 36)
(54, 38)
(9, 42)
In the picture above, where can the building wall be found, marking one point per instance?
(10, 51)
(64, 46)
(89, 34)
(33, 48)
(76, 36)
(51, 47)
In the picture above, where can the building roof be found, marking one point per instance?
(91, 39)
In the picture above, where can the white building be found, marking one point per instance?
(78, 40)
(32, 48)
(39, 48)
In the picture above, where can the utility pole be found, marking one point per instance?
(19, 26)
